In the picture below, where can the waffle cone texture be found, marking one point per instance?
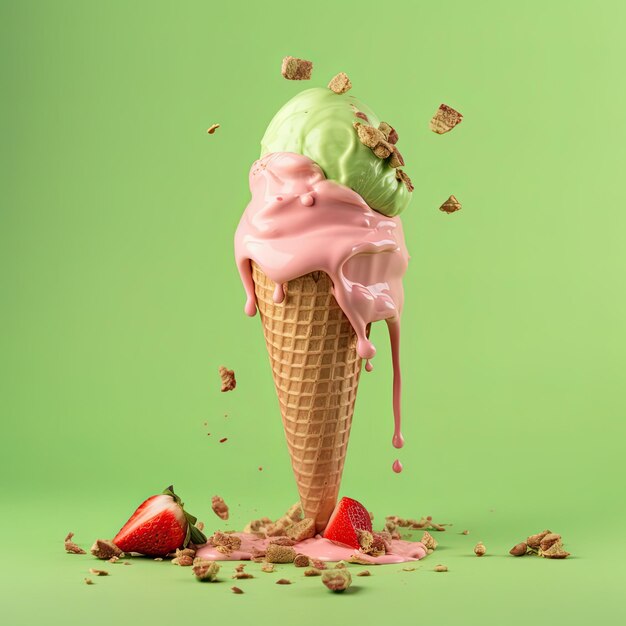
(312, 350)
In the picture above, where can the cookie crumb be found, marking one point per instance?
(445, 119)
(317, 564)
(220, 508)
(158, 558)
(268, 568)
(283, 581)
(225, 542)
(115, 559)
(236, 590)
(301, 560)
(88, 581)
(205, 570)
(535, 540)
(408, 569)
(200, 526)
(98, 572)
(105, 549)
(479, 549)
(312, 571)
(465, 532)
(364, 572)
(337, 579)
(211, 129)
(429, 541)
(340, 83)
(441, 568)
(403, 176)
(519, 549)
(276, 553)
(451, 205)
(296, 69)
(304, 529)
(228, 378)
(71, 547)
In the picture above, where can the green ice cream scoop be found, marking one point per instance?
(318, 123)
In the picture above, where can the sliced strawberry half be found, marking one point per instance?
(348, 517)
(159, 526)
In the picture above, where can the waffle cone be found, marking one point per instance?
(316, 369)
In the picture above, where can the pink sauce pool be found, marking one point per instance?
(400, 551)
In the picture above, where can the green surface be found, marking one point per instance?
(320, 124)
(120, 299)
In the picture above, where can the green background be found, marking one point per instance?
(120, 298)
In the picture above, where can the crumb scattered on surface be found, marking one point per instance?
(301, 560)
(98, 572)
(535, 540)
(225, 542)
(184, 557)
(304, 529)
(364, 572)
(220, 508)
(408, 569)
(296, 69)
(268, 568)
(283, 581)
(340, 83)
(280, 554)
(441, 568)
(228, 378)
(465, 532)
(205, 570)
(445, 119)
(158, 558)
(451, 205)
(71, 547)
(429, 541)
(88, 581)
(519, 549)
(337, 579)
(313, 571)
(115, 559)
(211, 129)
(236, 590)
(105, 549)
(479, 549)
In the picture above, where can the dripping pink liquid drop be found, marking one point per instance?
(397, 466)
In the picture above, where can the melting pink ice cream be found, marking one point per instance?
(298, 222)
(318, 548)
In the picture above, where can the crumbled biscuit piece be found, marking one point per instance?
(158, 558)
(127, 563)
(200, 526)
(451, 205)
(555, 551)
(236, 590)
(283, 581)
(408, 569)
(535, 540)
(279, 554)
(105, 549)
(549, 540)
(228, 378)
(364, 572)
(301, 560)
(403, 176)
(242, 575)
(212, 128)
(98, 572)
(389, 132)
(313, 571)
(340, 83)
(383, 150)
(115, 559)
(282, 540)
(396, 160)
(366, 539)
(341, 565)
(88, 581)
(296, 69)
(445, 119)
(184, 560)
(295, 512)
(433, 525)
(71, 547)
(368, 135)
(359, 559)
(317, 564)
(220, 508)
(428, 540)
(519, 549)
(465, 532)
(225, 542)
(479, 549)
(337, 579)
(304, 529)
(441, 568)
(204, 569)
(223, 439)
(268, 568)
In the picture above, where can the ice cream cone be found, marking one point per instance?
(316, 369)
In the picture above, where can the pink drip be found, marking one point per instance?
(279, 293)
(368, 366)
(394, 336)
(397, 466)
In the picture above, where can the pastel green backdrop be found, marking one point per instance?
(120, 299)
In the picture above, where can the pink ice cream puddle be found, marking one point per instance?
(400, 551)
(298, 222)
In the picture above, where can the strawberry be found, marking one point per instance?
(348, 517)
(159, 526)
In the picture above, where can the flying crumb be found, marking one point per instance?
(445, 119)
(451, 205)
(228, 378)
(212, 128)
(340, 83)
(220, 508)
(223, 439)
(296, 69)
